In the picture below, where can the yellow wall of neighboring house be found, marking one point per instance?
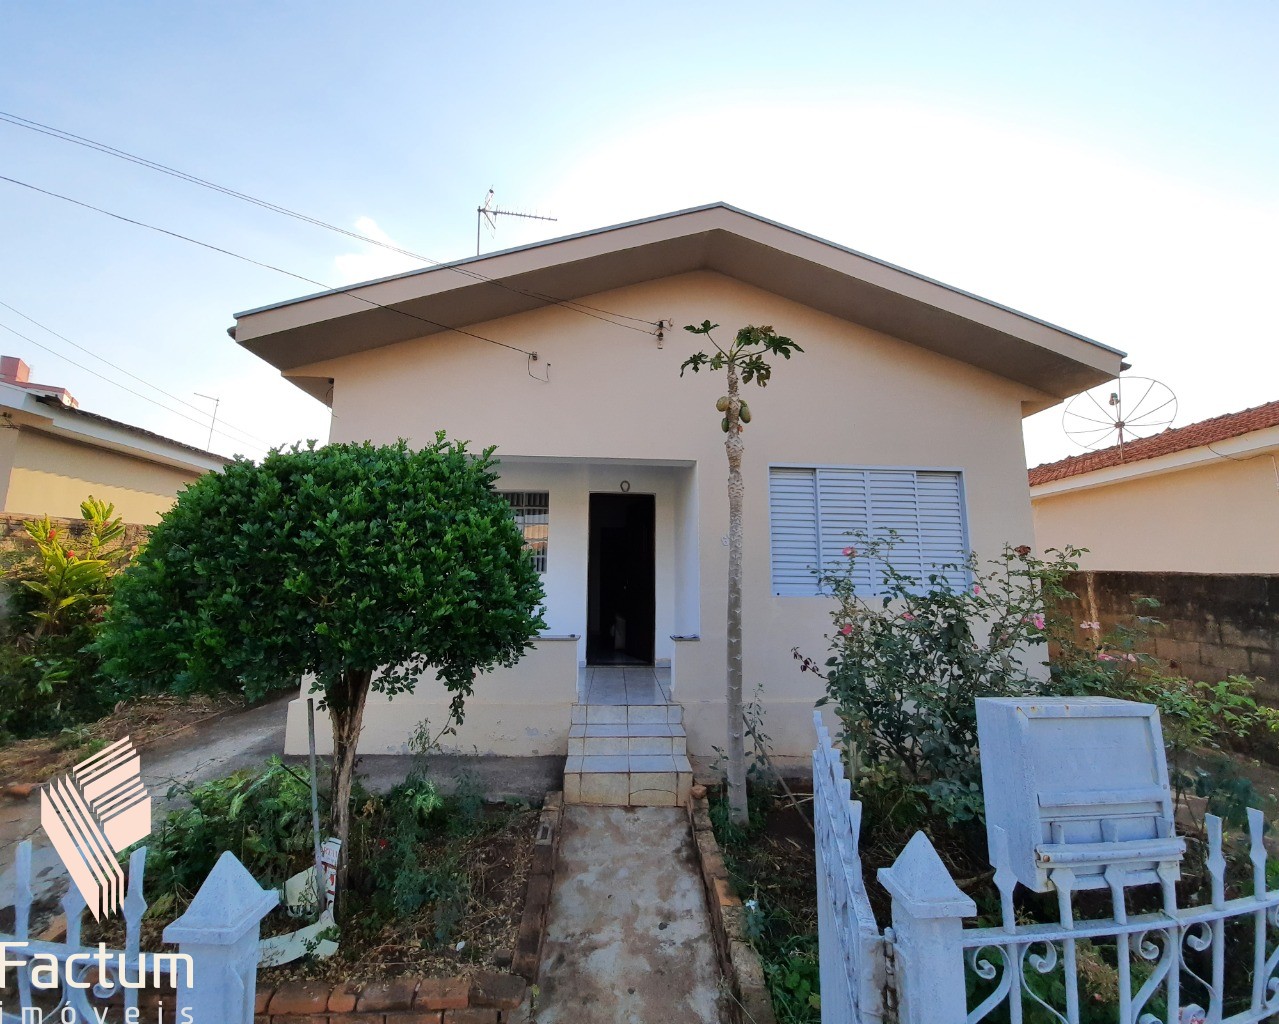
(51, 475)
(1220, 517)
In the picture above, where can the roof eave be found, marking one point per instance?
(717, 237)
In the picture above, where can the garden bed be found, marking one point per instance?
(495, 859)
(771, 868)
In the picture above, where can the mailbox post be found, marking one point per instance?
(1079, 786)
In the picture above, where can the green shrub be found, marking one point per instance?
(262, 816)
(51, 676)
(907, 664)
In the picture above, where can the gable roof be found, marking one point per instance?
(717, 237)
(1167, 442)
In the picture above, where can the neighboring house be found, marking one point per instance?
(53, 455)
(1190, 517)
(904, 411)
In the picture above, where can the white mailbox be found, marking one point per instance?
(1080, 787)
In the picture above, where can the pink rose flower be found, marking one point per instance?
(1103, 656)
(977, 589)
(1038, 620)
(849, 552)
(908, 617)
(846, 628)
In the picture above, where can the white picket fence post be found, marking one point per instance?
(220, 931)
(928, 924)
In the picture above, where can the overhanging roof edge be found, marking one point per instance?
(455, 264)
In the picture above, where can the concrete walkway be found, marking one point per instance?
(628, 936)
(241, 740)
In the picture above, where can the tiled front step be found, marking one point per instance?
(617, 714)
(627, 756)
(628, 780)
(627, 738)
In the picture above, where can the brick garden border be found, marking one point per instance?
(485, 997)
(738, 961)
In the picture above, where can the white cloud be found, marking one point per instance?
(372, 261)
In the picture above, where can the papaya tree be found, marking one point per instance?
(745, 361)
(359, 566)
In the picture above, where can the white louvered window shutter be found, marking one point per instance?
(792, 503)
(816, 513)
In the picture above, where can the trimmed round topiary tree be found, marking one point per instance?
(361, 565)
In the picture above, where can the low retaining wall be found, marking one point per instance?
(738, 961)
(485, 997)
(1214, 625)
(13, 530)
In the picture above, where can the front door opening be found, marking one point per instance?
(621, 603)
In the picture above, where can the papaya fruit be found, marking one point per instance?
(722, 404)
(744, 412)
(724, 425)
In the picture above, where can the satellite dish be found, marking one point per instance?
(1126, 409)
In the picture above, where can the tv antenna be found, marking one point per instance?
(490, 211)
(1126, 409)
(212, 422)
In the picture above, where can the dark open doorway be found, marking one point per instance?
(620, 616)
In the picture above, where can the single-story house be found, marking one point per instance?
(1190, 517)
(903, 411)
(53, 455)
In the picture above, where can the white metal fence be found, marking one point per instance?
(850, 945)
(213, 976)
(1177, 965)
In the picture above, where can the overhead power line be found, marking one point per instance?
(608, 316)
(269, 266)
(120, 369)
(122, 387)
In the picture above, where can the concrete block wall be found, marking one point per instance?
(1213, 625)
(13, 532)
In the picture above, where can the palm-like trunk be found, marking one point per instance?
(734, 445)
(346, 712)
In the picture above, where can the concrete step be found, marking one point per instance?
(627, 738)
(628, 780)
(627, 756)
(616, 714)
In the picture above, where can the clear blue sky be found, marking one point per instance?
(1112, 167)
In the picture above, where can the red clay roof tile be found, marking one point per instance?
(1194, 435)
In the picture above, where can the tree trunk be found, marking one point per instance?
(734, 445)
(346, 712)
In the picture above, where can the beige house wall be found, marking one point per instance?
(616, 402)
(1219, 517)
(52, 475)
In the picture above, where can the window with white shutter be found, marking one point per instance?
(816, 512)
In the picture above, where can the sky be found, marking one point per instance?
(1109, 167)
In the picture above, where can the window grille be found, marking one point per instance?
(532, 511)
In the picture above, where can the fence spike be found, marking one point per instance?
(73, 905)
(1116, 878)
(24, 895)
(135, 905)
(1063, 880)
(1216, 863)
(1005, 878)
(1257, 851)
